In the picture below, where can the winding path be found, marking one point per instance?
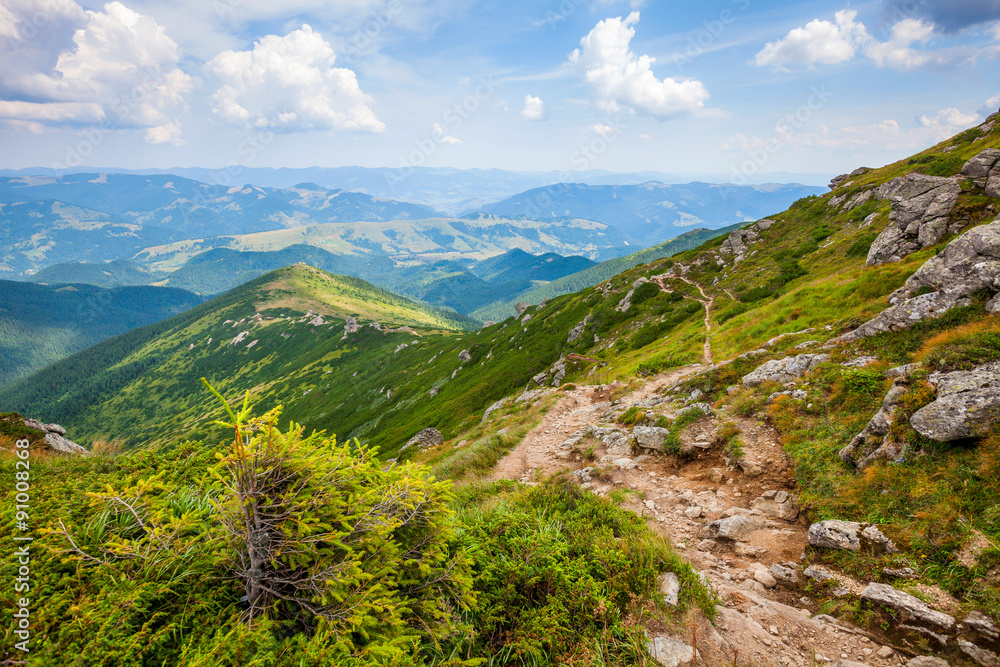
(707, 358)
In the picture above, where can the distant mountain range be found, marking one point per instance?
(451, 191)
(652, 212)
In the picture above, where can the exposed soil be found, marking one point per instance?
(767, 626)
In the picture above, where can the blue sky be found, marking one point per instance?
(733, 87)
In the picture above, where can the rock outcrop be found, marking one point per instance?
(985, 170)
(650, 437)
(911, 606)
(967, 404)
(921, 206)
(738, 242)
(55, 438)
(848, 536)
(874, 441)
(429, 437)
(784, 370)
(578, 330)
(968, 264)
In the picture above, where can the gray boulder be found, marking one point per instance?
(921, 206)
(738, 242)
(913, 607)
(429, 437)
(967, 404)
(873, 442)
(985, 170)
(54, 438)
(833, 534)
(784, 370)
(668, 652)
(980, 655)
(670, 588)
(982, 624)
(777, 505)
(736, 528)
(577, 331)
(650, 437)
(967, 265)
(464, 356)
(616, 440)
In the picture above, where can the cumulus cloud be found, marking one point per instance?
(990, 107)
(442, 137)
(86, 67)
(817, 42)
(534, 108)
(290, 84)
(602, 130)
(621, 79)
(947, 123)
(898, 52)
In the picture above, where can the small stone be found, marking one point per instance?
(693, 512)
(715, 475)
(885, 652)
(765, 578)
(670, 588)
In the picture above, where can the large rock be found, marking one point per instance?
(982, 624)
(921, 206)
(577, 331)
(967, 404)
(980, 655)
(777, 505)
(429, 437)
(968, 264)
(650, 437)
(616, 440)
(54, 438)
(669, 652)
(736, 528)
(738, 242)
(927, 661)
(849, 536)
(833, 534)
(985, 170)
(784, 370)
(913, 607)
(874, 441)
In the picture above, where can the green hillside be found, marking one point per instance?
(448, 559)
(41, 324)
(117, 273)
(593, 275)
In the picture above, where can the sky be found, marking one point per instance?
(738, 88)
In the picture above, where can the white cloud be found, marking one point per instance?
(115, 66)
(168, 133)
(290, 83)
(817, 42)
(645, 138)
(898, 53)
(996, 32)
(947, 123)
(602, 130)
(990, 106)
(534, 108)
(442, 137)
(621, 79)
(882, 136)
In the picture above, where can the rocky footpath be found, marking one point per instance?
(741, 527)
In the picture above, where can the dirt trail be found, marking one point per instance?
(705, 301)
(768, 625)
